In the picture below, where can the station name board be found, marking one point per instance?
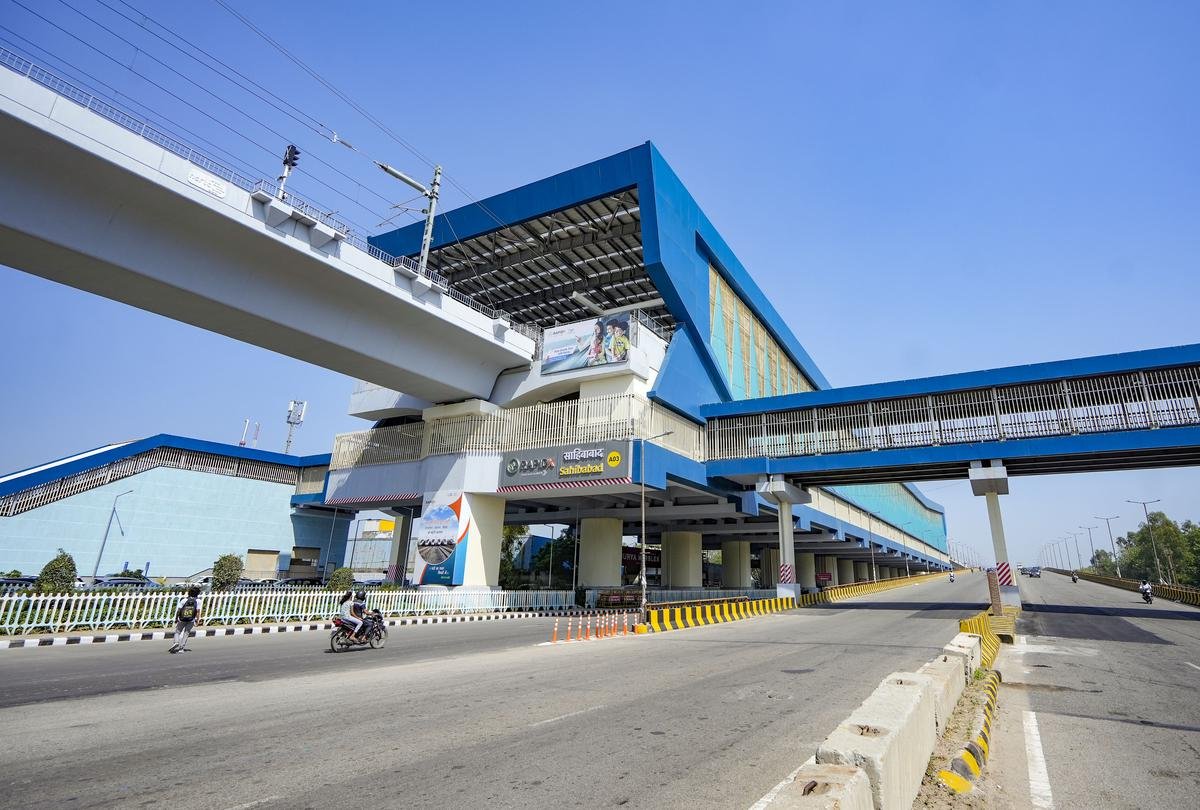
(587, 461)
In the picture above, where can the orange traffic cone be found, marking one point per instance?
(554, 637)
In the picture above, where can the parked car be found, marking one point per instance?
(294, 582)
(16, 583)
(126, 582)
(1035, 572)
(269, 581)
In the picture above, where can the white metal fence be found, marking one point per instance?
(1138, 400)
(613, 417)
(22, 613)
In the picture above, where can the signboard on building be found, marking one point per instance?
(564, 465)
(441, 539)
(594, 342)
(824, 577)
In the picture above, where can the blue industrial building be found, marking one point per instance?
(176, 505)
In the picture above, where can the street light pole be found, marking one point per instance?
(1078, 556)
(1090, 543)
(1153, 543)
(111, 514)
(1108, 522)
(871, 543)
(642, 459)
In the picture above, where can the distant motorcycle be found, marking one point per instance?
(1074, 578)
(1148, 597)
(374, 632)
(952, 577)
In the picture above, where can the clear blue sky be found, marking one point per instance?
(921, 188)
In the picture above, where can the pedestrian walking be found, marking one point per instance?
(187, 613)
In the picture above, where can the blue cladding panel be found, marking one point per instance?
(896, 505)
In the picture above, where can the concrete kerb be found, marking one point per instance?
(826, 787)
(948, 685)
(890, 736)
(966, 767)
(261, 629)
(968, 648)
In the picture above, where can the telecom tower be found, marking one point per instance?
(295, 419)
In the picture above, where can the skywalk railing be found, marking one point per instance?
(614, 417)
(1067, 407)
(306, 479)
(113, 112)
(22, 613)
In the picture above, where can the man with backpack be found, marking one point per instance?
(187, 613)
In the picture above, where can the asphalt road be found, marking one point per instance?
(457, 715)
(1113, 686)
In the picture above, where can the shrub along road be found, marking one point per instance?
(459, 715)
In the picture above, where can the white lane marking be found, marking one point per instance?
(1052, 649)
(1039, 779)
(766, 800)
(1190, 664)
(254, 803)
(565, 716)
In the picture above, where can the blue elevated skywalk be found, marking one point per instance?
(1111, 412)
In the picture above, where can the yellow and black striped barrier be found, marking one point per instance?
(966, 767)
(679, 617)
(980, 624)
(683, 616)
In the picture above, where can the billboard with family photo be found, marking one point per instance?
(598, 341)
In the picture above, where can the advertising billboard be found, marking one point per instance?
(566, 464)
(598, 341)
(441, 537)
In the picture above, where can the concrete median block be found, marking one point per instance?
(968, 647)
(946, 671)
(891, 737)
(826, 787)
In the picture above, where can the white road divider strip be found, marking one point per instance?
(565, 716)
(1190, 664)
(1039, 779)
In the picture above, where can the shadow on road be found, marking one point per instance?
(1134, 612)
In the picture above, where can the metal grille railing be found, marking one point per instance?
(1131, 401)
(177, 146)
(30, 612)
(615, 417)
(34, 497)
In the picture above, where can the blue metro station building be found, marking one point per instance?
(643, 317)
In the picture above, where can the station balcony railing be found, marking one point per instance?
(1098, 404)
(615, 417)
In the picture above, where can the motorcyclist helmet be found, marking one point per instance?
(361, 596)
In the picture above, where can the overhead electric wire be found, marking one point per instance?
(80, 75)
(229, 104)
(358, 108)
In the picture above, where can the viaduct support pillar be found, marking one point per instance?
(482, 564)
(600, 552)
(682, 565)
(735, 564)
(806, 567)
(991, 482)
(768, 572)
(784, 495)
(845, 569)
(861, 572)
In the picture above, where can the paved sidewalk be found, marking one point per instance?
(20, 642)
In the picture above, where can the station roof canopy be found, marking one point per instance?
(547, 269)
(558, 250)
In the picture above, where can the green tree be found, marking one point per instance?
(14, 573)
(510, 545)
(557, 555)
(226, 572)
(342, 579)
(1159, 544)
(58, 575)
